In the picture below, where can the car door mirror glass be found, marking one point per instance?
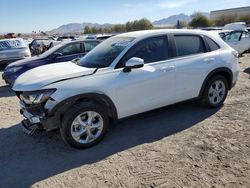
(133, 63)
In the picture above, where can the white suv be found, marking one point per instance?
(125, 75)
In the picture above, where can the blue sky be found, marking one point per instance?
(28, 15)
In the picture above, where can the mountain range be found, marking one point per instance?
(173, 19)
(79, 27)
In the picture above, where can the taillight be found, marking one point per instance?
(235, 53)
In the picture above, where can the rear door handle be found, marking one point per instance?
(209, 60)
(167, 69)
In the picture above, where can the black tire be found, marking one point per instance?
(205, 97)
(72, 113)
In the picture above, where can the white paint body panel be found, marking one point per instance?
(155, 85)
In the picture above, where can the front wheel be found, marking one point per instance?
(84, 125)
(215, 92)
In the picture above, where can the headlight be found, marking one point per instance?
(36, 97)
(14, 69)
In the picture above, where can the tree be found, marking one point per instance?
(181, 24)
(144, 24)
(199, 20)
(129, 26)
(136, 25)
(87, 30)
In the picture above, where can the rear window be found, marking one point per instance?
(212, 45)
(188, 45)
(11, 44)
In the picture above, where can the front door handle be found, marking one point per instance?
(167, 69)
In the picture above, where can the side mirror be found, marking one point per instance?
(75, 60)
(57, 54)
(133, 63)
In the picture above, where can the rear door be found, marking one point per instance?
(233, 40)
(245, 40)
(191, 65)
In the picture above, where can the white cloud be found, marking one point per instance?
(159, 4)
(172, 3)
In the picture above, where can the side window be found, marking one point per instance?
(243, 35)
(89, 46)
(150, 50)
(212, 45)
(71, 49)
(232, 37)
(248, 35)
(188, 45)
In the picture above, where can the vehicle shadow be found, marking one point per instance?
(26, 160)
(247, 70)
(2, 67)
(5, 91)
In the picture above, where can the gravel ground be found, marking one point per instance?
(183, 145)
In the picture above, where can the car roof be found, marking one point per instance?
(79, 40)
(11, 39)
(148, 33)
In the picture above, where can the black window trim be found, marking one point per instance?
(207, 45)
(187, 34)
(170, 49)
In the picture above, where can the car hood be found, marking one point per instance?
(24, 61)
(39, 77)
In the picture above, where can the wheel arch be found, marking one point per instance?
(99, 98)
(224, 71)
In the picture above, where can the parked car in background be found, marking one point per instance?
(99, 37)
(238, 40)
(12, 50)
(125, 75)
(65, 38)
(236, 26)
(65, 51)
(39, 46)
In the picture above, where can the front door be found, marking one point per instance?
(69, 52)
(149, 87)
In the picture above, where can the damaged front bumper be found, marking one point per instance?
(36, 118)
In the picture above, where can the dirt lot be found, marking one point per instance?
(184, 145)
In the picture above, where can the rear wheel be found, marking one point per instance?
(215, 92)
(84, 125)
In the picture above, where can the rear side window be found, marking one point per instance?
(233, 36)
(89, 46)
(212, 45)
(71, 49)
(150, 50)
(188, 45)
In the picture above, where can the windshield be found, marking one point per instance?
(12, 44)
(51, 50)
(105, 53)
